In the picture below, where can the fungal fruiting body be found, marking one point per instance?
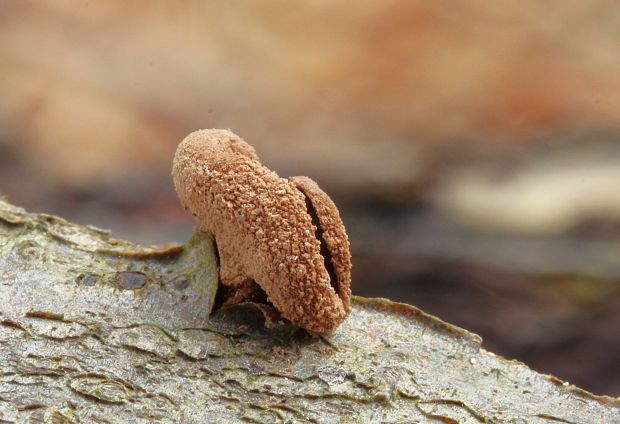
(285, 235)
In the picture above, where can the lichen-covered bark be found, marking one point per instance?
(99, 330)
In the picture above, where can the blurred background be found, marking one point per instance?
(472, 146)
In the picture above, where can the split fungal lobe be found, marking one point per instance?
(285, 235)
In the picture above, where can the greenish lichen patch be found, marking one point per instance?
(11, 214)
(100, 387)
(53, 328)
(201, 344)
(146, 338)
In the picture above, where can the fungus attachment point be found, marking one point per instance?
(284, 235)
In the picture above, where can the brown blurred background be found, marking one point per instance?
(472, 146)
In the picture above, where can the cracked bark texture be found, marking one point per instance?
(98, 330)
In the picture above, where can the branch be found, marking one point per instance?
(95, 329)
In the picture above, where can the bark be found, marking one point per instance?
(100, 330)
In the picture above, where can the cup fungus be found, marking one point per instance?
(282, 236)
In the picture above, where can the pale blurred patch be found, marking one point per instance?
(549, 193)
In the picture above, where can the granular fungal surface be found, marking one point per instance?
(264, 228)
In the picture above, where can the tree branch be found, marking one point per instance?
(100, 330)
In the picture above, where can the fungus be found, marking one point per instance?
(284, 236)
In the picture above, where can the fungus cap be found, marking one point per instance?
(286, 235)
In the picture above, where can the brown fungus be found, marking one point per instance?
(285, 235)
